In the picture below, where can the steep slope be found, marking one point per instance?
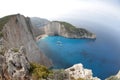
(39, 22)
(67, 30)
(17, 31)
(38, 25)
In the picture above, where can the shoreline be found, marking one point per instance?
(41, 37)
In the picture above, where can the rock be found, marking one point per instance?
(18, 31)
(57, 28)
(39, 22)
(115, 77)
(2, 64)
(17, 63)
(77, 71)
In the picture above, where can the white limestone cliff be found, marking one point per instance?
(77, 71)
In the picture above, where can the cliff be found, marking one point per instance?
(17, 64)
(38, 25)
(57, 28)
(39, 22)
(18, 31)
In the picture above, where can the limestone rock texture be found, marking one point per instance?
(17, 63)
(57, 28)
(77, 71)
(18, 31)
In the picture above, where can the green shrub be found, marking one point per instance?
(39, 71)
(2, 51)
(15, 50)
(1, 34)
(80, 79)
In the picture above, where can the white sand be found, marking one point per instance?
(41, 37)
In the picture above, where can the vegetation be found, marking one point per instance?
(80, 79)
(1, 34)
(39, 72)
(3, 21)
(68, 26)
(72, 29)
(2, 51)
(15, 49)
(60, 74)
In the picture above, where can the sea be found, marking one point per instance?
(101, 55)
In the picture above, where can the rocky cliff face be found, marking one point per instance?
(67, 30)
(78, 72)
(17, 64)
(39, 22)
(18, 32)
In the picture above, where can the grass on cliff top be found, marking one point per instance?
(4, 20)
(72, 29)
(68, 26)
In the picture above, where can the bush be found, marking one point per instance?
(39, 71)
(2, 51)
(1, 34)
(80, 79)
(15, 50)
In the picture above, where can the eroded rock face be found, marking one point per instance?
(18, 32)
(67, 30)
(17, 63)
(77, 71)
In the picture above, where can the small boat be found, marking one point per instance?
(59, 43)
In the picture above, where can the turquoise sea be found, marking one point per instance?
(102, 55)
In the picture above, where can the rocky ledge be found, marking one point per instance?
(57, 28)
(78, 72)
(17, 30)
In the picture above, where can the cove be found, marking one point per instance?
(100, 55)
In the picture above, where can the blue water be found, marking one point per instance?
(101, 55)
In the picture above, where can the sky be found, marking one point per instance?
(55, 9)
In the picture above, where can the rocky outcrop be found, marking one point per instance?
(17, 64)
(77, 71)
(18, 31)
(67, 30)
(116, 77)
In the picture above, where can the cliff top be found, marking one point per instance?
(4, 20)
(73, 29)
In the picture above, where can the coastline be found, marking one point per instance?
(43, 36)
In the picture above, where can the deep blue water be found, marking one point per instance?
(101, 55)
